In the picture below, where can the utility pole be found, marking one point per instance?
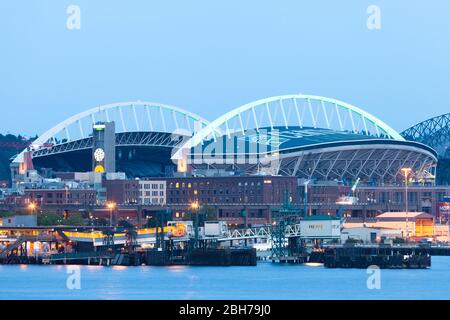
(195, 208)
(305, 198)
(245, 216)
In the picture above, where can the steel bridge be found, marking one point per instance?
(434, 132)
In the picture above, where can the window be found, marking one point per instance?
(440, 196)
(398, 197)
(384, 197)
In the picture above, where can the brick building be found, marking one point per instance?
(373, 201)
(45, 197)
(122, 191)
(152, 192)
(230, 196)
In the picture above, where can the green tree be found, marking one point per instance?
(210, 213)
(152, 223)
(100, 222)
(49, 219)
(125, 224)
(74, 220)
(6, 214)
(353, 241)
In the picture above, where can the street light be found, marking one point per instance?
(406, 172)
(195, 206)
(111, 206)
(32, 206)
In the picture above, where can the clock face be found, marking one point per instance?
(99, 169)
(99, 155)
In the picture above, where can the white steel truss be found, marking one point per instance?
(138, 116)
(310, 111)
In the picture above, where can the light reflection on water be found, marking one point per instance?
(119, 268)
(266, 281)
(313, 264)
(176, 269)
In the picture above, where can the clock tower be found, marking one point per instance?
(104, 147)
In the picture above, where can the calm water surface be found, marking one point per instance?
(267, 281)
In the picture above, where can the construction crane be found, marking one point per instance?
(350, 199)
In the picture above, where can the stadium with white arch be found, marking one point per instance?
(310, 137)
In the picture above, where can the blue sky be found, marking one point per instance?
(211, 56)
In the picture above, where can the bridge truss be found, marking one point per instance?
(133, 120)
(434, 132)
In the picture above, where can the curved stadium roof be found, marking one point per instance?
(300, 135)
(313, 153)
(315, 138)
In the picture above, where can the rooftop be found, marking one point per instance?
(404, 215)
(321, 217)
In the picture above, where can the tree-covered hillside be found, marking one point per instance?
(10, 145)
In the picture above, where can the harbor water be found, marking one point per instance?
(266, 281)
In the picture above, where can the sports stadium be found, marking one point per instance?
(306, 136)
(146, 134)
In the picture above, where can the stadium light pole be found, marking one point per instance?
(406, 172)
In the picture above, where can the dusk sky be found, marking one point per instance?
(211, 56)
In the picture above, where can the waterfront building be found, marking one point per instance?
(411, 224)
(152, 192)
(19, 221)
(122, 191)
(370, 234)
(374, 200)
(60, 197)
